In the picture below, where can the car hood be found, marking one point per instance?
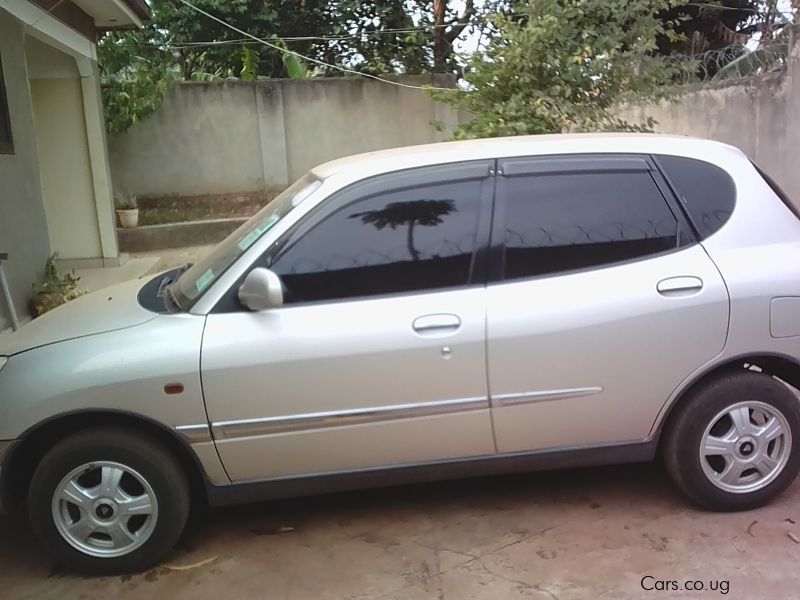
(115, 307)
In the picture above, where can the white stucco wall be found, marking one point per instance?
(23, 229)
(243, 136)
(760, 115)
(64, 165)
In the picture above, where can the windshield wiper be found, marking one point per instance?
(181, 271)
(169, 299)
(165, 288)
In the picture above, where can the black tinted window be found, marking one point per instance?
(707, 192)
(413, 239)
(562, 222)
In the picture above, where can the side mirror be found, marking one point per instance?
(261, 289)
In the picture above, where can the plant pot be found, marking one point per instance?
(128, 219)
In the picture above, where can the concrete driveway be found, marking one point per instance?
(592, 533)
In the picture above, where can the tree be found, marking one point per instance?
(425, 213)
(707, 25)
(202, 45)
(134, 76)
(402, 36)
(564, 65)
(376, 37)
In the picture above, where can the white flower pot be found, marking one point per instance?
(129, 219)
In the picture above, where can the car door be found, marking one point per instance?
(377, 356)
(601, 301)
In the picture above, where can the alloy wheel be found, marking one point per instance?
(105, 509)
(745, 447)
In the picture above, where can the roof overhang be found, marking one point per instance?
(115, 14)
(40, 24)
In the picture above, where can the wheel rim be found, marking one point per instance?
(105, 509)
(745, 447)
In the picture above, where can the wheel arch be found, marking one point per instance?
(34, 443)
(784, 367)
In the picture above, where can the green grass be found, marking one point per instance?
(162, 215)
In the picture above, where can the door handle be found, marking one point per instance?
(436, 323)
(679, 286)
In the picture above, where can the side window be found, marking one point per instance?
(416, 238)
(706, 191)
(6, 144)
(564, 221)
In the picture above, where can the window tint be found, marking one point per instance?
(562, 222)
(414, 239)
(706, 191)
(6, 145)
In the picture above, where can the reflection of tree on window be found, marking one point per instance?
(427, 213)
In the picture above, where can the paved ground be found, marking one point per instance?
(590, 534)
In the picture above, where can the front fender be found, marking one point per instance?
(124, 370)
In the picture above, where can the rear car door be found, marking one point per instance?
(601, 301)
(377, 356)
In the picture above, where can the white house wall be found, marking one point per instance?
(23, 229)
(64, 160)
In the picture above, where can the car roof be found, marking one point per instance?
(394, 159)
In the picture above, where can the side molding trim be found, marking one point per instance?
(543, 396)
(255, 427)
(194, 434)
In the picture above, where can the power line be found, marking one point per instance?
(310, 38)
(713, 6)
(307, 58)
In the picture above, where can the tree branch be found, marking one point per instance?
(461, 23)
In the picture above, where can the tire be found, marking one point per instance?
(133, 488)
(735, 444)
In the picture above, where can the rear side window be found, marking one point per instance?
(778, 191)
(566, 221)
(707, 192)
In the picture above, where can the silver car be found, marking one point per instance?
(432, 312)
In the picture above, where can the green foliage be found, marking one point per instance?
(134, 76)
(53, 288)
(125, 202)
(372, 45)
(564, 65)
(138, 67)
(249, 64)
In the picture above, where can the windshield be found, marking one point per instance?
(188, 288)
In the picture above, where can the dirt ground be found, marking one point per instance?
(591, 533)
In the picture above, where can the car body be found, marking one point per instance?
(438, 311)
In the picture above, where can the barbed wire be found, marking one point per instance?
(737, 60)
(371, 257)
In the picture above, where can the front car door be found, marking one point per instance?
(602, 302)
(377, 357)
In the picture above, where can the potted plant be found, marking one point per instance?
(54, 289)
(127, 210)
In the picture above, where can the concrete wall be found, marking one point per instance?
(760, 115)
(23, 229)
(238, 136)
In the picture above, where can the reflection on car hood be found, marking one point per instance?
(108, 309)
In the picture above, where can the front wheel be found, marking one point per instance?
(108, 500)
(735, 444)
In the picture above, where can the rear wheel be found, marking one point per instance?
(734, 445)
(108, 501)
